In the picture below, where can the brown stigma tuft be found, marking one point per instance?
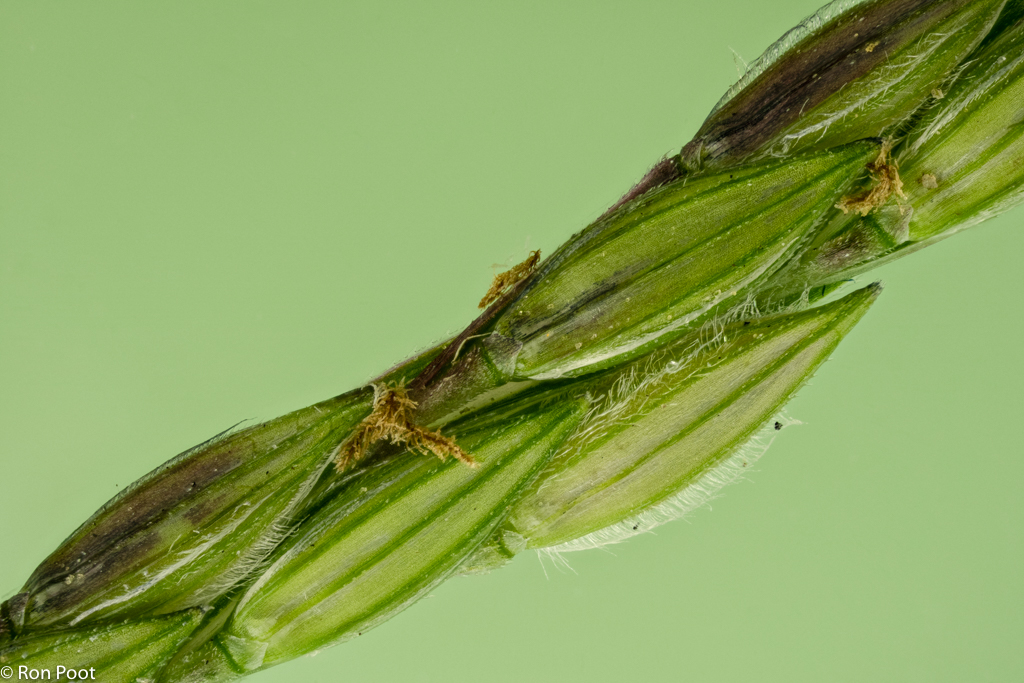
(886, 182)
(390, 421)
(503, 281)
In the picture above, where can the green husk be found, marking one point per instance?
(658, 265)
(860, 74)
(388, 536)
(665, 421)
(644, 274)
(191, 529)
(962, 163)
(135, 650)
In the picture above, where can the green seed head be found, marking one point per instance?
(606, 391)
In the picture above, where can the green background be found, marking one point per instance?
(212, 212)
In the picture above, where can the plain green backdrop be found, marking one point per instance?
(216, 211)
